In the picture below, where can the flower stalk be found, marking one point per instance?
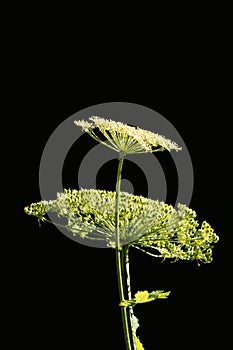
(120, 264)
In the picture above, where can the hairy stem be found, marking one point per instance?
(125, 320)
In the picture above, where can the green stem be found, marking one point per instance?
(119, 258)
(118, 187)
(128, 286)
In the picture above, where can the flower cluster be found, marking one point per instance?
(125, 139)
(154, 227)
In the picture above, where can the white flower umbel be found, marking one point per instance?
(125, 139)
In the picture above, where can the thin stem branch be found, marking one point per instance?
(145, 251)
(117, 201)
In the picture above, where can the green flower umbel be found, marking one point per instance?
(154, 227)
(125, 139)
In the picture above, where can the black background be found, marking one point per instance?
(63, 293)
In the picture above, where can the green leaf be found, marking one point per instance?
(138, 344)
(142, 297)
(145, 297)
(159, 294)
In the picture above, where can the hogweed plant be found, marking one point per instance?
(122, 221)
